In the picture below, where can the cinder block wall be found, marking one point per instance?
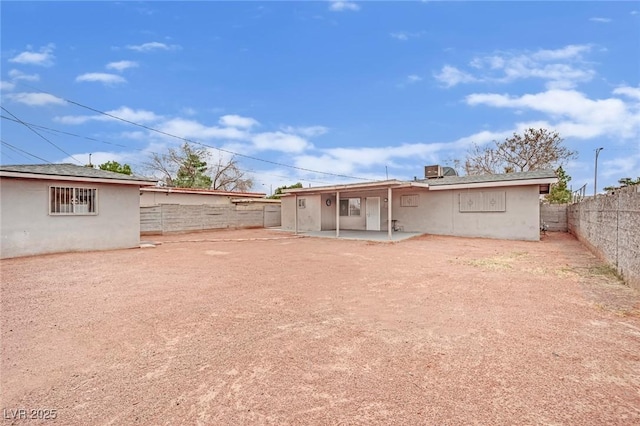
(554, 216)
(609, 225)
(166, 218)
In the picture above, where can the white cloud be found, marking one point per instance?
(42, 58)
(137, 116)
(36, 99)
(310, 131)
(121, 65)
(451, 76)
(7, 86)
(561, 68)
(17, 75)
(280, 141)
(191, 129)
(601, 20)
(100, 77)
(413, 78)
(574, 114)
(341, 6)
(405, 35)
(238, 121)
(571, 51)
(632, 92)
(151, 46)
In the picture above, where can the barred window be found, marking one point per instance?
(72, 201)
(409, 200)
(488, 201)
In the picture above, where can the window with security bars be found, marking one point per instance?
(72, 201)
(486, 201)
(409, 200)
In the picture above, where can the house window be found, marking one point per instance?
(490, 201)
(72, 201)
(350, 207)
(302, 203)
(409, 200)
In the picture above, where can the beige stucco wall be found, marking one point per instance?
(28, 229)
(438, 213)
(318, 216)
(152, 198)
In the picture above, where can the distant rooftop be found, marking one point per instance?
(71, 170)
(203, 191)
(502, 177)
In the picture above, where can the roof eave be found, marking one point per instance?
(39, 176)
(347, 187)
(495, 184)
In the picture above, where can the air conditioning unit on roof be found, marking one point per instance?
(432, 172)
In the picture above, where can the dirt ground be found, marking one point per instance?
(272, 329)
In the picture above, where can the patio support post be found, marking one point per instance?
(337, 214)
(389, 203)
(295, 213)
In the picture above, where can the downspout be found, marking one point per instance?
(337, 214)
(295, 213)
(389, 221)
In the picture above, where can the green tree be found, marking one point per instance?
(114, 166)
(624, 182)
(560, 193)
(193, 169)
(280, 190)
(535, 149)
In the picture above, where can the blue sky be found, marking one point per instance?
(355, 89)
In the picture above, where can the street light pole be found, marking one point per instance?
(595, 175)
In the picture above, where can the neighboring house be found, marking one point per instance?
(154, 196)
(49, 208)
(167, 210)
(504, 206)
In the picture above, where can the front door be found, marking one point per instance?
(373, 213)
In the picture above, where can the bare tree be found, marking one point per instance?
(188, 167)
(227, 176)
(534, 150)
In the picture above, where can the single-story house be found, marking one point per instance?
(503, 206)
(154, 196)
(48, 208)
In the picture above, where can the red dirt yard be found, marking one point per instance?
(260, 327)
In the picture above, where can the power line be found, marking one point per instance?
(36, 132)
(196, 142)
(51, 130)
(54, 131)
(16, 149)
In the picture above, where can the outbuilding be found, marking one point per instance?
(49, 208)
(503, 206)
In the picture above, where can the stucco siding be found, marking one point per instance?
(28, 229)
(438, 212)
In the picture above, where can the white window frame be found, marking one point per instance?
(302, 203)
(353, 205)
(77, 204)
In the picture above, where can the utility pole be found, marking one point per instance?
(595, 175)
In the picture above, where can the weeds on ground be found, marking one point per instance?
(501, 262)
